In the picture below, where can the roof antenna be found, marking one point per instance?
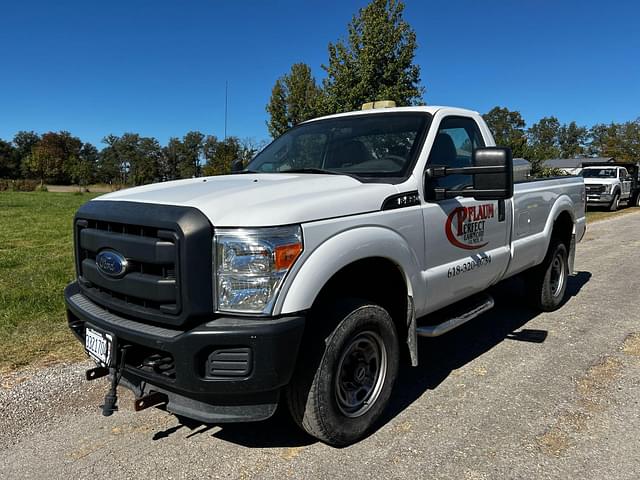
(226, 95)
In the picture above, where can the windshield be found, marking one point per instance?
(599, 173)
(375, 145)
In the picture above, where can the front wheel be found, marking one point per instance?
(615, 203)
(344, 379)
(547, 283)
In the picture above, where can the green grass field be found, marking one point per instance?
(36, 262)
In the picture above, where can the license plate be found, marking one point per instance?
(99, 345)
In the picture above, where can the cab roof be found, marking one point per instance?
(431, 109)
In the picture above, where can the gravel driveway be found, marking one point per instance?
(513, 394)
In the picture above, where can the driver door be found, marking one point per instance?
(466, 240)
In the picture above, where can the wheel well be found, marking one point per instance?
(563, 228)
(376, 279)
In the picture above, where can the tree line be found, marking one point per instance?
(548, 138)
(374, 62)
(129, 159)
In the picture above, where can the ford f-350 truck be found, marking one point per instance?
(307, 277)
(607, 184)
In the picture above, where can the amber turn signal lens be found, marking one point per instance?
(286, 255)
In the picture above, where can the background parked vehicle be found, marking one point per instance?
(608, 184)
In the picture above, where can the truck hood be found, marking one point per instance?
(255, 200)
(600, 181)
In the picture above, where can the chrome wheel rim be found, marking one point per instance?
(361, 373)
(557, 275)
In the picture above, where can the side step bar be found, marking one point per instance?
(486, 303)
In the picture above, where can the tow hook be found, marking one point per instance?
(94, 373)
(151, 400)
(111, 398)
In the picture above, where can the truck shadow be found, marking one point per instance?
(438, 358)
(442, 355)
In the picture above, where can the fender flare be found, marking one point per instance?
(341, 250)
(562, 204)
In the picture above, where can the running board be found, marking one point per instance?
(486, 303)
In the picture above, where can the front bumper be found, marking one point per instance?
(600, 199)
(195, 389)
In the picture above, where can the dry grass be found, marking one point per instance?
(601, 214)
(592, 389)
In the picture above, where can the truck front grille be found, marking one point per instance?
(150, 283)
(160, 283)
(594, 189)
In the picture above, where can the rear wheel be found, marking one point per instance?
(344, 377)
(547, 283)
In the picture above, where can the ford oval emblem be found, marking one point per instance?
(111, 263)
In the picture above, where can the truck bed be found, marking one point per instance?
(535, 205)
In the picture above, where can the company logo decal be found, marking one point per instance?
(465, 226)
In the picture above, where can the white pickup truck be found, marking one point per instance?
(608, 184)
(306, 277)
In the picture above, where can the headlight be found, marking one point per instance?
(250, 266)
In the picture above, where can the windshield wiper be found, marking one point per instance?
(310, 170)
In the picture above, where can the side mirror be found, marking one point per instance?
(237, 166)
(498, 183)
(492, 171)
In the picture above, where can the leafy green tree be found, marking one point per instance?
(170, 161)
(49, 158)
(146, 166)
(191, 155)
(572, 140)
(544, 141)
(375, 62)
(41, 164)
(9, 161)
(82, 169)
(24, 143)
(110, 168)
(508, 128)
(295, 97)
(130, 159)
(630, 141)
(221, 154)
(618, 140)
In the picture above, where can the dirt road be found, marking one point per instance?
(513, 394)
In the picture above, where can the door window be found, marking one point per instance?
(455, 141)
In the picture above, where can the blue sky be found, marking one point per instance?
(159, 67)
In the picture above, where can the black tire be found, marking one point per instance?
(615, 203)
(636, 200)
(547, 283)
(318, 395)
